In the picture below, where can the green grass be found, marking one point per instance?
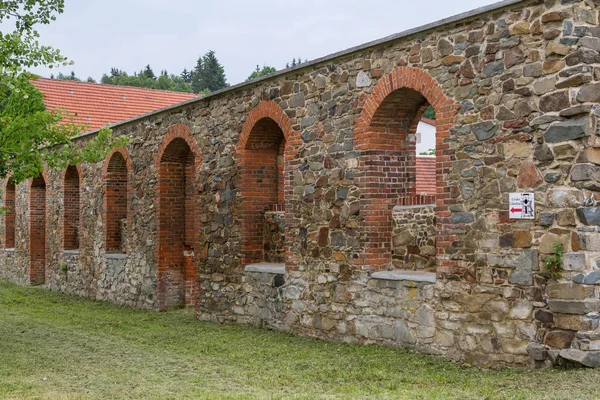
(56, 346)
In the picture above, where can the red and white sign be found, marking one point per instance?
(521, 206)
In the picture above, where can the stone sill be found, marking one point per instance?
(405, 275)
(10, 250)
(402, 208)
(116, 256)
(72, 252)
(269, 268)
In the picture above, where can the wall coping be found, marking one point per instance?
(74, 252)
(269, 268)
(401, 208)
(405, 275)
(116, 256)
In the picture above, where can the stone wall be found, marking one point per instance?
(413, 237)
(274, 236)
(516, 95)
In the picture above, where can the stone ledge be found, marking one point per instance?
(116, 256)
(71, 252)
(269, 268)
(10, 250)
(405, 275)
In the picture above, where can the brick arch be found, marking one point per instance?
(117, 178)
(37, 229)
(180, 131)
(71, 220)
(387, 158)
(124, 153)
(265, 180)
(177, 162)
(271, 110)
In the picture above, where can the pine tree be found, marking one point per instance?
(208, 74)
(114, 72)
(213, 72)
(186, 76)
(148, 73)
(196, 76)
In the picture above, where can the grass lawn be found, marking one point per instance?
(57, 346)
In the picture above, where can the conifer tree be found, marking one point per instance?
(208, 74)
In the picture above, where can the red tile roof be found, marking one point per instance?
(95, 105)
(426, 175)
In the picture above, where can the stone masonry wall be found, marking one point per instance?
(274, 236)
(413, 237)
(516, 95)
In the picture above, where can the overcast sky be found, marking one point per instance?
(171, 34)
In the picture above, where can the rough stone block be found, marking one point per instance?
(524, 266)
(559, 339)
(537, 351)
(568, 130)
(574, 261)
(580, 307)
(569, 291)
(588, 358)
(589, 215)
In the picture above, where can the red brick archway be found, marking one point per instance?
(116, 176)
(266, 154)
(383, 136)
(71, 221)
(37, 230)
(177, 161)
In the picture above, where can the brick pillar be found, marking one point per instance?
(10, 215)
(178, 276)
(37, 232)
(116, 203)
(71, 209)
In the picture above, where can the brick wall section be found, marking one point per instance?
(37, 231)
(384, 136)
(177, 226)
(116, 202)
(426, 175)
(262, 154)
(72, 209)
(10, 215)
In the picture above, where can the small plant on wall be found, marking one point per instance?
(554, 262)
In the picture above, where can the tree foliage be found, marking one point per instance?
(208, 74)
(146, 78)
(429, 113)
(266, 70)
(31, 137)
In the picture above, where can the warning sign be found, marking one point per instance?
(522, 206)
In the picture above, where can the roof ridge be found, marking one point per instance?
(115, 86)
